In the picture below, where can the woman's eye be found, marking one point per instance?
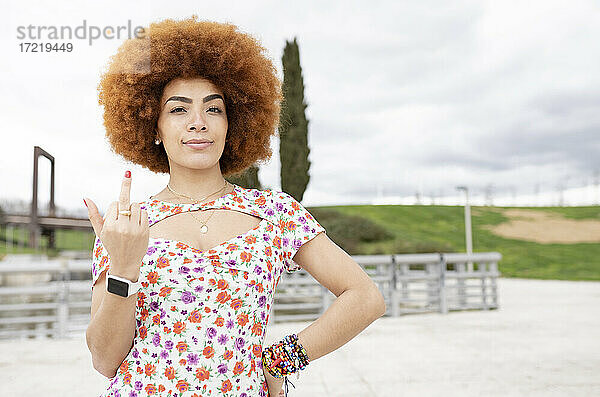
(174, 110)
(215, 108)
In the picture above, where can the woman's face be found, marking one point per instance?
(192, 109)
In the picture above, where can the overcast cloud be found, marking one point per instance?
(402, 97)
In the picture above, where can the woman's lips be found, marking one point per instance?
(198, 145)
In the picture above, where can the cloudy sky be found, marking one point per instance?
(404, 98)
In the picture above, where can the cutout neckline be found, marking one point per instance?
(235, 192)
(186, 246)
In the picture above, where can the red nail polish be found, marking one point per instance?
(85, 202)
(127, 174)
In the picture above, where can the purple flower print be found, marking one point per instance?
(156, 339)
(151, 250)
(199, 288)
(229, 324)
(154, 306)
(285, 241)
(270, 212)
(199, 269)
(223, 339)
(133, 394)
(239, 343)
(138, 385)
(117, 393)
(135, 353)
(222, 368)
(169, 344)
(257, 270)
(262, 300)
(297, 244)
(230, 262)
(164, 354)
(187, 297)
(184, 270)
(211, 332)
(278, 207)
(192, 359)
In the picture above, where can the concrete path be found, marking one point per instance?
(543, 341)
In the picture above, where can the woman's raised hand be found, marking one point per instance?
(125, 238)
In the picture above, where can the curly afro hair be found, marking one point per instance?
(131, 88)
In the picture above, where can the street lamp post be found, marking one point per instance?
(468, 231)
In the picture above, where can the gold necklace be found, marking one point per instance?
(203, 228)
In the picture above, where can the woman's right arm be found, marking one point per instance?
(110, 333)
(120, 247)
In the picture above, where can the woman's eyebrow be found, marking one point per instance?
(189, 100)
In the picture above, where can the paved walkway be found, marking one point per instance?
(543, 341)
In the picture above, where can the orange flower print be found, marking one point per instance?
(152, 277)
(124, 367)
(181, 346)
(269, 265)
(260, 201)
(291, 225)
(156, 319)
(238, 368)
(195, 317)
(207, 309)
(257, 350)
(268, 251)
(208, 352)
(143, 332)
(257, 329)
(222, 284)
(245, 256)
(141, 299)
(228, 354)
(226, 386)
(149, 369)
(144, 314)
(259, 287)
(127, 378)
(277, 242)
(162, 262)
(164, 291)
(219, 321)
(150, 389)
(161, 388)
(182, 385)
(223, 297)
(202, 374)
(170, 373)
(236, 303)
(178, 327)
(242, 319)
(250, 239)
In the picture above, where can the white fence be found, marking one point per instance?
(52, 298)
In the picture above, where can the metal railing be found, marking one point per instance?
(52, 298)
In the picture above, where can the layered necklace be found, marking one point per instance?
(203, 228)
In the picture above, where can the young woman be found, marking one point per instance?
(185, 279)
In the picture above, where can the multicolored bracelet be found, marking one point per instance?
(285, 357)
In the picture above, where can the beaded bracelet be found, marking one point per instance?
(285, 357)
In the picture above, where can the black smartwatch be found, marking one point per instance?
(122, 286)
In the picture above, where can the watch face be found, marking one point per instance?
(118, 287)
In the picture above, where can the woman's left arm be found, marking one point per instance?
(359, 301)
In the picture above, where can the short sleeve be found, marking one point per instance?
(100, 260)
(298, 226)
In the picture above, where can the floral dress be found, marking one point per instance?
(201, 316)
